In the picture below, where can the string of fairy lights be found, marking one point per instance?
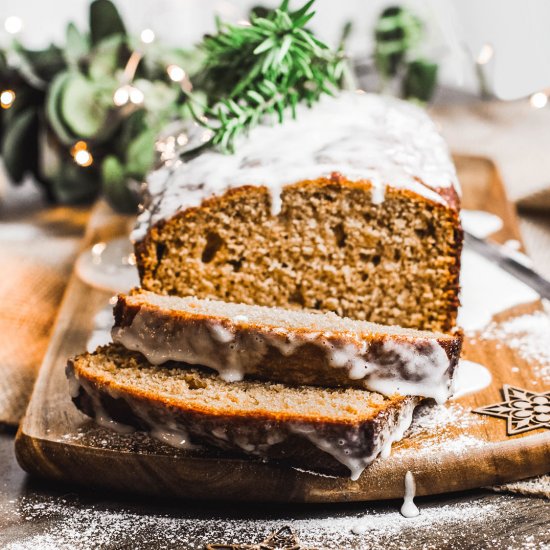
(12, 25)
(126, 93)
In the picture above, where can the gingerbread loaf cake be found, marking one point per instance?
(288, 346)
(353, 207)
(339, 430)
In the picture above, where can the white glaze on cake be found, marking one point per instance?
(233, 347)
(102, 418)
(345, 451)
(403, 424)
(364, 137)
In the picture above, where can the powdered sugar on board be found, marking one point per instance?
(438, 429)
(68, 522)
(529, 336)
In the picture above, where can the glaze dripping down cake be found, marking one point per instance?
(351, 208)
(338, 430)
(289, 346)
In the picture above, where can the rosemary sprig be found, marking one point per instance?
(265, 69)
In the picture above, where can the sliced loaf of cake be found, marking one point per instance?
(332, 430)
(289, 346)
(353, 207)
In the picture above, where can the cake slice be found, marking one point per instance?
(331, 430)
(353, 207)
(288, 346)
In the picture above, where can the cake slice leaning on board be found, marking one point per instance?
(353, 207)
(337, 430)
(288, 346)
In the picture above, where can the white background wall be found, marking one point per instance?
(519, 30)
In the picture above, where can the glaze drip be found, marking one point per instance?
(409, 508)
(235, 348)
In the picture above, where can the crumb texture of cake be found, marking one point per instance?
(289, 346)
(317, 428)
(351, 208)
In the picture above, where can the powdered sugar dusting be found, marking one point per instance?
(431, 419)
(536, 486)
(437, 428)
(529, 336)
(66, 523)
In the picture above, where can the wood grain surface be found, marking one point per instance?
(57, 441)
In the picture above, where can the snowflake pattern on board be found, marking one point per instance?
(523, 410)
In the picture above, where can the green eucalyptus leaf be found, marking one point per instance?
(141, 153)
(83, 114)
(117, 186)
(50, 154)
(19, 145)
(53, 109)
(132, 126)
(159, 97)
(112, 172)
(104, 21)
(45, 64)
(78, 45)
(106, 58)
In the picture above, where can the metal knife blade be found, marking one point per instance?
(504, 259)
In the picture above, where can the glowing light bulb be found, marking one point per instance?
(538, 100)
(147, 36)
(136, 95)
(98, 248)
(121, 96)
(7, 97)
(177, 74)
(83, 158)
(128, 93)
(485, 54)
(13, 24)
(81, 155)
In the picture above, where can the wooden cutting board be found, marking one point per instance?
(450, 448)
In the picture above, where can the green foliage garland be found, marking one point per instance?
(63, 102)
